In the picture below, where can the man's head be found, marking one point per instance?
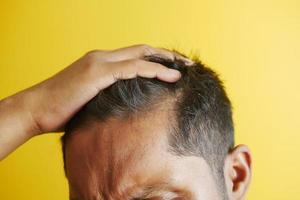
(147, 139)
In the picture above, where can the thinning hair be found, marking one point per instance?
(203, 114)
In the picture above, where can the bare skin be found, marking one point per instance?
(47, 106)
(129, 160)
(118, 165)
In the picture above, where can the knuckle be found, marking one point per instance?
(117, 75)
(91, 57)
(93, 52)
(144, 47)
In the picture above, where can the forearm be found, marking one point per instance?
(47, 106)
(16, 123)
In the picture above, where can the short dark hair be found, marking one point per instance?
(203, 112)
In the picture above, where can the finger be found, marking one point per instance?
(180, 56)
(129, 69)
(138, 52)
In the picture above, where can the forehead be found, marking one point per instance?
(126, 158)
(118, 153)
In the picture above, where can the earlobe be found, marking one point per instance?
(237, 172)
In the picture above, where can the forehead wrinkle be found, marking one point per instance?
(123, 167)
(116, 160)
(117, 163)
(112, 166)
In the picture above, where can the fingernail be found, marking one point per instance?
(174, 72)
(188, 62)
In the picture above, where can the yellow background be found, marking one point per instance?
(253, 44)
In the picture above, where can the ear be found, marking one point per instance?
(237, 172)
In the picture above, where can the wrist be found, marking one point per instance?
(16, 123)
(20, 107)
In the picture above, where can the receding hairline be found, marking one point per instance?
(205, 120)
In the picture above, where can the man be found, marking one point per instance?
(147, 139)
(144, 138)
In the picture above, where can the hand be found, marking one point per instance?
(47, 106)
(61, 96)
